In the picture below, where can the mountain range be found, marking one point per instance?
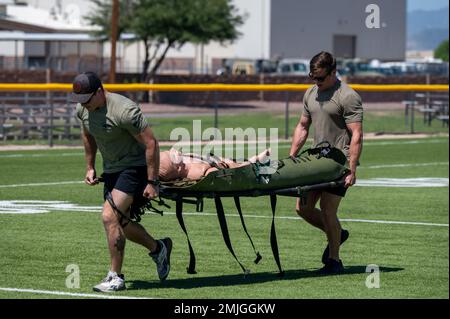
(426, 29)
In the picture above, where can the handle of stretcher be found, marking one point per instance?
(297, 191)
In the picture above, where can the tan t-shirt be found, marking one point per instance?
(113, 128)
(330, 111)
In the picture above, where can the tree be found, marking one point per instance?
(101, 17)
(441, 51)
(165, 24)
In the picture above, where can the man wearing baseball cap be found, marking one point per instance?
(116, 126)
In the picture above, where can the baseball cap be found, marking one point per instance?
(84, 86)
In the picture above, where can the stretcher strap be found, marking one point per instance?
(224, 229)
(273, 235)
(123, 219)
(238, 207)
(179, 213)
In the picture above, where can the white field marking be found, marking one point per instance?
(403, 182)
(341, 219)
(383, 143)
(375, 182)
(41, 207)
(63, 293)
(405, 165)
(230, 144)
(7, 207)
(39, 155)
(41, 184)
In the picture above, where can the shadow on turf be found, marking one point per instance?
(240, 279)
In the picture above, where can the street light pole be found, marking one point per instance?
(114, 27)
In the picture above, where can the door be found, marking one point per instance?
(344, 46)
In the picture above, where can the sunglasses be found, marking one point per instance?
(319, 78)
(87, 102)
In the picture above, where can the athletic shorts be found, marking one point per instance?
(339, 191)
(132, 181)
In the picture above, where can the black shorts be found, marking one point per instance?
(339, 191)
(132, 181)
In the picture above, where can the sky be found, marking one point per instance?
(426, 4)
(411, 4)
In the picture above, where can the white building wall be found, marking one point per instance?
(302, 28)
(10, 48)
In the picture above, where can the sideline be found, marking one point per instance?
(367, 136)
(226, 144)
(40, 207)
(381, 182)
(73, 294)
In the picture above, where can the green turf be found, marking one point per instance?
(374, 122)
(413, 259)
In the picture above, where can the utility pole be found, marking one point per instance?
(114, 27)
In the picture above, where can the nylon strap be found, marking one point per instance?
(224, 229)
(273, 235)
(238, 207)
(179, 213)
(122, 216)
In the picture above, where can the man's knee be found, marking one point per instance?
(329, 204)
(109, 218)
(304, 210)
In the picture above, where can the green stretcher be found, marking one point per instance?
(316, 168)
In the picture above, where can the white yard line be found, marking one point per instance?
(386, 182)
(35, 207)
(73, 294)
(41, 184)
(406, 165)
(403, 182)
(39, 155)
(284, 144)
(341, 219)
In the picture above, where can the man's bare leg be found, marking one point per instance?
(309, 212)
(116, 234)
(114, 231)
(329, 204)
(137, 234)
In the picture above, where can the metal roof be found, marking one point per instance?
(74, 37)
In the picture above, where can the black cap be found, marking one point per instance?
(84, 86)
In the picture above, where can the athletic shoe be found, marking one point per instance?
(162, 259)
(112, 282)
(326, 252)
(332, 267)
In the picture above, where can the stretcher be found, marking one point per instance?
(316, 168)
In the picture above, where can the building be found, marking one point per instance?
(273, 29)
(347, 28)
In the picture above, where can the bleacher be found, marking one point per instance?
(433, 106)
(25, 116)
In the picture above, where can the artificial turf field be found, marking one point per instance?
(402, 230)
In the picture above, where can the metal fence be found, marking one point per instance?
(37, 115)
(43, 111)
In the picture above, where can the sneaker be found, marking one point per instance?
(112, 282)
(326, 252)
(162, 259)
(332, 267)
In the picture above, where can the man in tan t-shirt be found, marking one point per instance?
(115, 125)
(336, 114)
